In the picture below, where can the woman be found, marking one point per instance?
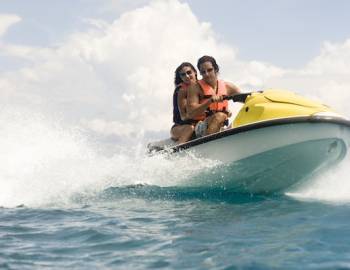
(183, 128)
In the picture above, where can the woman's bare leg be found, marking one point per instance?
(182, 133)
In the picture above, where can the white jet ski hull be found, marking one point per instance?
(270, 156)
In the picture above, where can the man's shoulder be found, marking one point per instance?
(232, 87)
(229, 84)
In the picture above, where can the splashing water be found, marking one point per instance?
(44, 163)
(332, 186)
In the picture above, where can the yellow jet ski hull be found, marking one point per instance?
(275, 104)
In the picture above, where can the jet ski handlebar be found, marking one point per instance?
(238, 97)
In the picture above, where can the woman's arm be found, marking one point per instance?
(181, 103)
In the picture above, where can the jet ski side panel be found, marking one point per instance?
(276, 170)
(270, 159)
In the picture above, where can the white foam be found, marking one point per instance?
(332, 186)
(43, 162)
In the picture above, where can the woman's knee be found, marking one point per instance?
(175, 132)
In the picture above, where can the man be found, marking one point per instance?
(205, 98)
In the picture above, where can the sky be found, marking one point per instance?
(287, 33)
(107, 67)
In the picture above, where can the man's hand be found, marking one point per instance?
(215, 98)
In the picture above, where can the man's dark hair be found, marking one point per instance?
(207, 58)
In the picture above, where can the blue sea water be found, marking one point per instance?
(148, 227)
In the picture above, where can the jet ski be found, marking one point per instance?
(277, 141)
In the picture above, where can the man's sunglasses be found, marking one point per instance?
(206, 71)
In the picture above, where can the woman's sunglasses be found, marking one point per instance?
(188, 72)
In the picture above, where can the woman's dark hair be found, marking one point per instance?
(178, 79)
(210, 59)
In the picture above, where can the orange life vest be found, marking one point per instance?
(208, 91)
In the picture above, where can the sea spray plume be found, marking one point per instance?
(332, 186)
(45, 163)
(41, 160)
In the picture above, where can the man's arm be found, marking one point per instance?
(232, 89)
